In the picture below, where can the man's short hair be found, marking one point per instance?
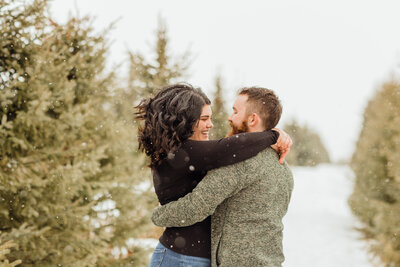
(265, 103)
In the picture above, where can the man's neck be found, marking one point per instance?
(256, 129)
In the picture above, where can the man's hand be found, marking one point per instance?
(283, 144)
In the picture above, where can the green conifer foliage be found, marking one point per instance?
(219, 115)
(307, 149)
(147, 76)
(376, 196)
(67, 189)
(17, 49)
(4, 250)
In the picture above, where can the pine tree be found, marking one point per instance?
(220, 115)
(67, 193)
(307, 149)
(376, 195)
(146, 76)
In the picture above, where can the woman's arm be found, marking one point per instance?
(207, 155)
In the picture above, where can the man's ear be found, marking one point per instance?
(253, 120)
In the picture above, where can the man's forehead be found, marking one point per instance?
(241, 100)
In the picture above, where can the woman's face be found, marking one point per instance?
(202, 127)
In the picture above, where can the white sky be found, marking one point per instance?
(324, 59)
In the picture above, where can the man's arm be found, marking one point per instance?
(215, 187)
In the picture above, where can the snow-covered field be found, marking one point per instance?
(319, 226)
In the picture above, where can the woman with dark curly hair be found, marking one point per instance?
(174, 136)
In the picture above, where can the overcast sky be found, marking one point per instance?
(324, 59)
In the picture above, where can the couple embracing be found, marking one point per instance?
(222, 201)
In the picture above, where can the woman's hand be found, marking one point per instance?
(283, 144)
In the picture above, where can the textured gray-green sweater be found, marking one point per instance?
(247, 202)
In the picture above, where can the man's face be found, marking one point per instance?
(238, 118)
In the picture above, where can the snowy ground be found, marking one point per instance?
(319, 227)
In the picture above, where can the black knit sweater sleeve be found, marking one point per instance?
(207, 155)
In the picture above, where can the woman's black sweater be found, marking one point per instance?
(179, 174)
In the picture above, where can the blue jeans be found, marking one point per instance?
(164, 257)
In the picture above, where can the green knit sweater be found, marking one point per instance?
(247, 202)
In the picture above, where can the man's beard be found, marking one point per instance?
(244, 128)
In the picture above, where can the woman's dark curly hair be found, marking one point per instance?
(168, 118)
